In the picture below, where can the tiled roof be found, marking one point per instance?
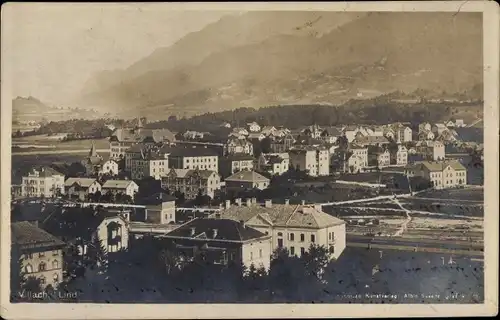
(45, 172)
(227, 229)
(283, 215)
(248, 176)
(184, 173)
(25, 233)
(116, 184)
(441, 165)
(82, 182)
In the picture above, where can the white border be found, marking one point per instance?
(125, 311)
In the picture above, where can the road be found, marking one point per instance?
(42, 152)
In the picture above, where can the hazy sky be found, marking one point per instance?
(57, 47)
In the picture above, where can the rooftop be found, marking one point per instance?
(184, 173)
(441, 165)
(25, 233)
(117, 184)
(284, 215)
(247, 176)
(82, 182)
(225, 229)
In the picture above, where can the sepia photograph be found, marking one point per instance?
(221, 157)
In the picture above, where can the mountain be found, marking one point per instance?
(269, 58)
(26, 109)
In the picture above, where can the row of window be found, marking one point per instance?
(211, 159)
(41, 267)
(260, 254)
(291, 237)
(40, 254)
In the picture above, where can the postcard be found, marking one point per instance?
(257, 160)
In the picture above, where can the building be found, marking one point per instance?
(432, 150)
(191, 182)
(259, 136)
(441, 174)
(238, 131)
(282, 144)
(42, 182)
(127, 187)
(108, 167)
(160, 209)
(253, 127)
(234, 146)
(38, 255)
(81, 188)
(424, 126)
(459, 123)
(193, 135)
(124, 138)
(365, 141)
(313, 131)
(404, 134)
(270, 131)
(330, 134)
(379, 157)
(149, 164)
(315, 161)
(92, 162)
(400, 157)
(439, 128)
(246, 180)
(221, 241)
(358, 159)
(233, 163)
(294, 227)
(274, 164)
(426, 135)
(193, 158)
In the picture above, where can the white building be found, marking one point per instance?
(294, 227)
(127, 187)
(238, 146)
(193, 158)
(253, 127)
(81, 187)
(442, 174)
(246, 180)
(149, 165)
(314, 161)
(400, 157)
(109, 167)
(43, 182)
(404, 134)
(274, 164)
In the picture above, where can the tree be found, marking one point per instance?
(97, 255)
(316, 260)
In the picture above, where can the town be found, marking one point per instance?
(248, 198)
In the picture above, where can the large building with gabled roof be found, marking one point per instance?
(42, 182)
(246, 180)
(441, 174)
(294, 227)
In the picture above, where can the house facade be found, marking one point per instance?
(400, 157)
(193, 158)
(441, 174)
(315, 161)
(150, 164)
(192, 182)
(294, 227)
(81, 188)
(127, 187)
(282, 144)
(39, 254)
(253, 127)
(238, 146)
(233, 163)
(274, 164)
(42, 182)
(222, 242)
(246, 180)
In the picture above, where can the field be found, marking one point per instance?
(53, 143)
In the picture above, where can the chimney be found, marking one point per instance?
(193, 231)
(215, 233)
(303, 202)
(249, 202)
(238, 201)
(268, 203)
(228, 204)
(287, 201)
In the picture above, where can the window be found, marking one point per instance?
(260, 253)
(329, 236)
(251, 255)
(302, 237)
(41, 266)
(56, 278)
(42, 280)
(55, 264)
(292, 237)
(28, 268)
(292, 251)
(313, 238)
(302, 251)
(331, 249)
